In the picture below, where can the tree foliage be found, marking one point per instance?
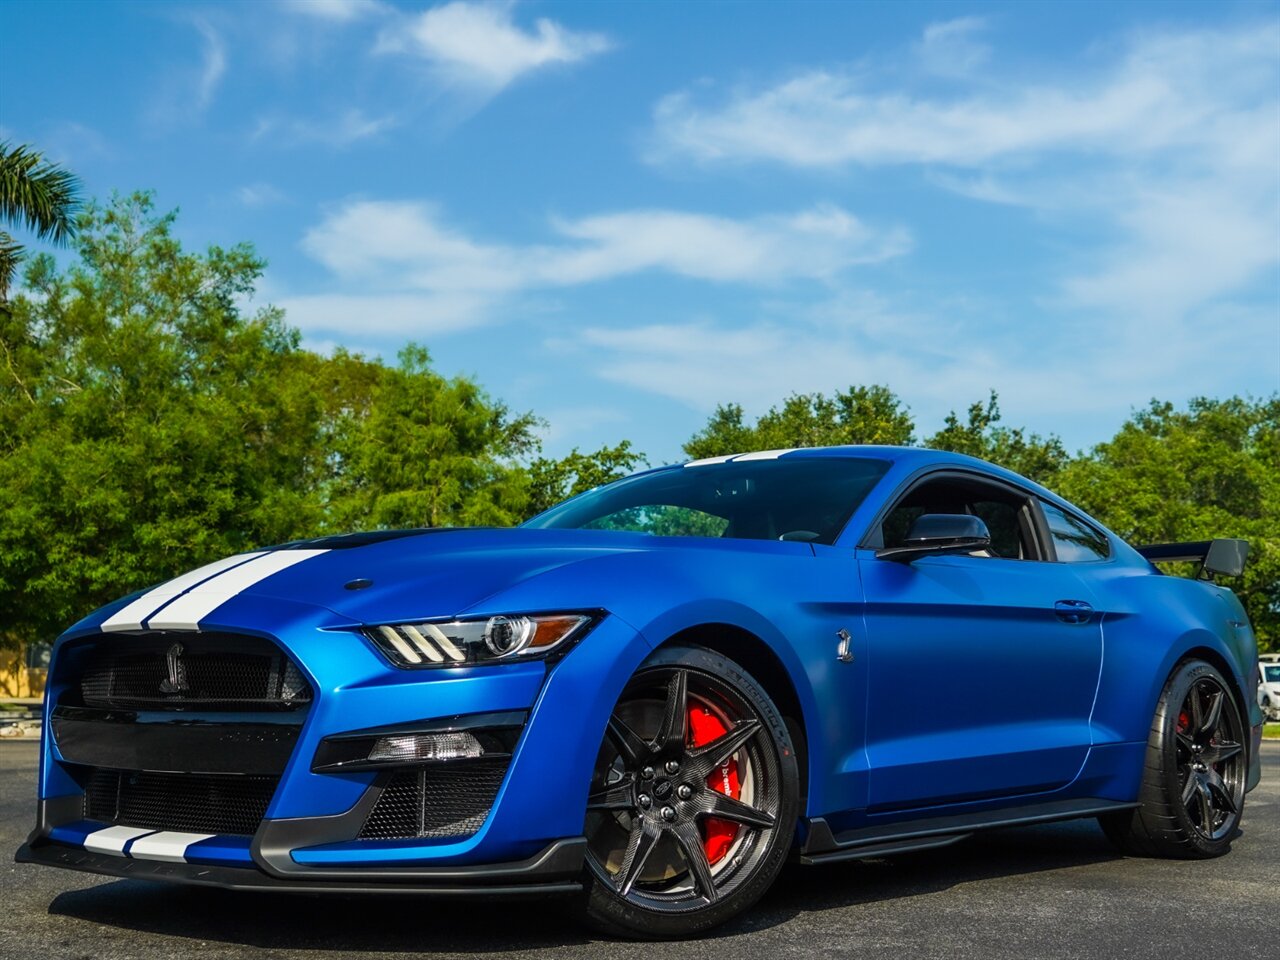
(148, 423)
(1211, 470)
(858, 415)
(983, 436)
(35, 195)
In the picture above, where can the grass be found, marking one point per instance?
(1271, 731)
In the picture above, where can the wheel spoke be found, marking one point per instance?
(1189, 791)
(1218, 752)
(675, 717)
(615, 796)
(1186, 742)
(1214, 713)
(695, 857)
(724, 807)
(639, 846)
(1204, 800)
(1197, 708)
(719, 750)
(635, 749)
(1218, 788)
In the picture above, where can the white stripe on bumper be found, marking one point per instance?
(169, 846)
(131, 616)
(113, 839)
(186, 612)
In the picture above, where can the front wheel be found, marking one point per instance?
(693, 801)
(1193, 785)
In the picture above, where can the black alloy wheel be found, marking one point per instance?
(693, 799)
(1193, 785)
(1210, 759)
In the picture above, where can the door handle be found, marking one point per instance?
(1073, 611)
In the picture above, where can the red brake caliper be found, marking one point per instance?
(705, 726)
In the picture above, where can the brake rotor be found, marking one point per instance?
(718, 835)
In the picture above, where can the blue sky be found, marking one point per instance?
(619, 215)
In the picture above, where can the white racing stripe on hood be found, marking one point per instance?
(130, 616)
(186, 612)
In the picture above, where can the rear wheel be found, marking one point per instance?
(1193, 785)
(693, 801)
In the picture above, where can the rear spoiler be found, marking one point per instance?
(1224, 557)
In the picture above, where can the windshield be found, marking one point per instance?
(808, 499)
(1272, 673)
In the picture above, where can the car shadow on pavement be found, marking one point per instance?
(351, 924)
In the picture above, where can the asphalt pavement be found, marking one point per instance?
(1050, 891)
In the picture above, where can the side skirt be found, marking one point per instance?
(822, 846)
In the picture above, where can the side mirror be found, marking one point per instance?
(936, 534)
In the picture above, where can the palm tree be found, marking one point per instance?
(35, 195)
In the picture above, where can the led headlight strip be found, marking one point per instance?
(460, 642)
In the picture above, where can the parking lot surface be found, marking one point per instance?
(1049, 891)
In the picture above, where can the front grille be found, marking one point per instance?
(198, 803)
(445, 800)
(191, 672)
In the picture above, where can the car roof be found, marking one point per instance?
(907, 459)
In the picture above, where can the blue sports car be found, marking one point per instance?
(651, 696)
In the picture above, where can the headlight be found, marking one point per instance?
(456, 643)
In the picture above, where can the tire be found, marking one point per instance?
(1193, 781)
(693, 801)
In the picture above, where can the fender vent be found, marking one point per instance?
(444, 800)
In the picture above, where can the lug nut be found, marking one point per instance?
(684, 791)
(645, 801)
(646, 773)
(668, 814)
(673, 766)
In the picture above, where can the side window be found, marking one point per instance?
(1074, 540)
(1005, 512)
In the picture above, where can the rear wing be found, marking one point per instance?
(1223, 557)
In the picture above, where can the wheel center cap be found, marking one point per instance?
(662, 789)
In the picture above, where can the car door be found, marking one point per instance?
(1008, 641)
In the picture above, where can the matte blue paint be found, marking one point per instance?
(1035, 707)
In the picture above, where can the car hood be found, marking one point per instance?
(436, 573)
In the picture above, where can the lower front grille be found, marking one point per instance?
(445, 800)
(198, 803)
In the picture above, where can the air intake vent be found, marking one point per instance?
(191, 672)
(442, 800)
(198, 803)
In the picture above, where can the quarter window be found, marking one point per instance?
(1074, 541)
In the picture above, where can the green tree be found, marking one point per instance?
(424, 451)
(1035, 457)
(34, 195)
(136, 436)
(149, 423)
(1211, 470)
(551, 481)
(858, 415)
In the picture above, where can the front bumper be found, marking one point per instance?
(554, 870)
(310, 836)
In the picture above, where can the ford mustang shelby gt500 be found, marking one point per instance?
(653, 694)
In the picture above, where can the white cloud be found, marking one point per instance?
(478, 45)
(431, 276)
(409, 241)
(336, 11)
(402, 315)
(1169, 147)
(214, 65)
(259, 194)
(951, 48)
(340, 130)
